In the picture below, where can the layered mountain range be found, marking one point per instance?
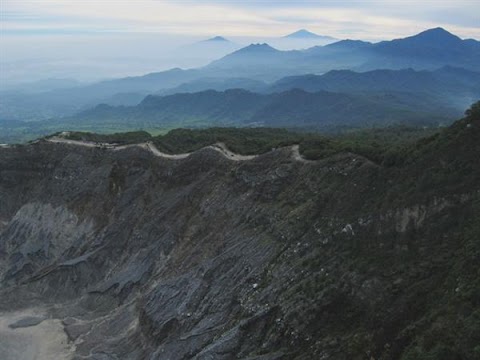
(449, 60)
(338, 99)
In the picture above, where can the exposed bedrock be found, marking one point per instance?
(140, 257)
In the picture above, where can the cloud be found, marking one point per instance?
(354, 19)
(138, 16)
(382, 19)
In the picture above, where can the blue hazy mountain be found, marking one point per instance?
(431, 49)
(307, 35)
(257, 61)
(217, 39)
(453, 86)
(346, 45)
(55, 103)
(456, 87)
(205, 51)
(218, 84)
(428, 50)
(337, 98)
(434, 42)
(291, 108)
(252, 54)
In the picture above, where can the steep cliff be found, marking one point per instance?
(140, 257)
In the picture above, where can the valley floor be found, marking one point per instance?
(44, 341)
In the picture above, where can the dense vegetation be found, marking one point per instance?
(443, 165)
(294, 108)
(431, 286)
(375, 144)
(390, 146)
(243, 141)
(133, 137)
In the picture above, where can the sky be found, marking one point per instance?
(353, 19)
(68, 34)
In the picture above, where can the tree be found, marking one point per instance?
(474, 112)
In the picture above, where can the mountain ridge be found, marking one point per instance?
(427, 50)
(260, 62)
(291, 108)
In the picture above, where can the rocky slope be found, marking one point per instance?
(141, 257)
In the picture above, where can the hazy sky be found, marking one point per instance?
(353, 19)
(69, 38)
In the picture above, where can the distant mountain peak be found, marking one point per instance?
(264, 48)
(437, 30)
(302, 33)
(435, 44)
(305, 34)
(217, 39)
(352, 44)
(436, 34)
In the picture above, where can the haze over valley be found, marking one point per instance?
(433, 74)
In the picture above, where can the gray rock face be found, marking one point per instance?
(205, 258)
(34, 240)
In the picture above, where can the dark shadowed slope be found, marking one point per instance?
(454, 86)
(293, 108)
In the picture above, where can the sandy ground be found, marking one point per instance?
(45, 341)
(296, 154)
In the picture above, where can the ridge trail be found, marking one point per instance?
(149, 146)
